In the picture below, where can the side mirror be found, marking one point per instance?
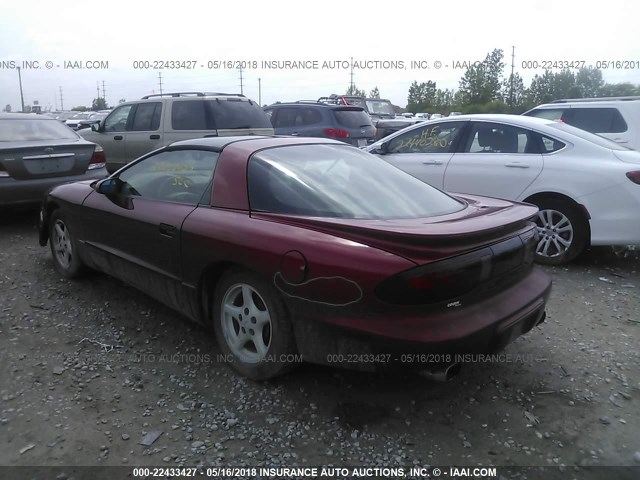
(109, 186)
(380, 149)
(95, 127)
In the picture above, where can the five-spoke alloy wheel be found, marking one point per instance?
(252, 325)
(63, 247)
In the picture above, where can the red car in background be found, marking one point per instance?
(309, 246)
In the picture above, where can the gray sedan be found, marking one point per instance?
(38, 152)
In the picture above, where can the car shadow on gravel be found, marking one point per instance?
(18, 217)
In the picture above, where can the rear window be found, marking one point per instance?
(596, 120)
(380, 107)
(327, 181)
(547, 113)
(237, 114)
(32, 130)
(217, 114)
(352, 118)
(590, 137)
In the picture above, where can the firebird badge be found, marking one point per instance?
(454, 304)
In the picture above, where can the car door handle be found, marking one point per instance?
(168, 230)
(118, 137)
(516, 165)
(432, 162)
(154, 137)
(295, 134)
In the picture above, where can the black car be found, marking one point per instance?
(346, 123)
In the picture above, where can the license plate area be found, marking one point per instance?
(362, 142)
(46, 166)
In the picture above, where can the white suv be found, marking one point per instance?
(616, 118)
(135, 128)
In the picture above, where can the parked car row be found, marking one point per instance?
(302, 244)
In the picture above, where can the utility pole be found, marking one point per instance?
(160, 81)
(98, 89)
(21, 94)
(513, 64)
(241, 83)
(104, 94)
(61, 101)
(351, 85)
(260, 92)
(55, 100)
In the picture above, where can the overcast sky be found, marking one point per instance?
(121, 32)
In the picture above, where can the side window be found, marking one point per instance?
(499, 138)
(550, 145)
(286, 117)
(188, 115)
(180, 176)
(596, 120)
(434, 138)
(117, 120)
(269, 114)
(147, 117)
(308, 116)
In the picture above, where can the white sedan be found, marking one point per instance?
(586, 187)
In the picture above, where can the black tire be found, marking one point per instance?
(555, 216)
(264, 351)
(64, 247)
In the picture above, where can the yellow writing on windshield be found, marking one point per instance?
(431, 137)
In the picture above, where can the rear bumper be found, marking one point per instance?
(615, 215)
(407, 338)
(25, 192)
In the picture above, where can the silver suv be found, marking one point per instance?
(135, 128)
(616, 118)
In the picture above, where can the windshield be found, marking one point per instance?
(33, 130)
(358, 102)
(380, 107)
(339, 182)
(588, 136)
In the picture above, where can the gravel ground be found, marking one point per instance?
(90, 369)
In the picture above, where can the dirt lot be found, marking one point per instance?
(88, 368)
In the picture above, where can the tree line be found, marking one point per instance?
(485, 89)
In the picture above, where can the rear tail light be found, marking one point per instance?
(336, 133)
(99, 159)
(634, 176)
(452, 278)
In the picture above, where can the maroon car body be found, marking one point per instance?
(342, 281)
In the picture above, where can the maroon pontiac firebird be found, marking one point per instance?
(306, 247)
